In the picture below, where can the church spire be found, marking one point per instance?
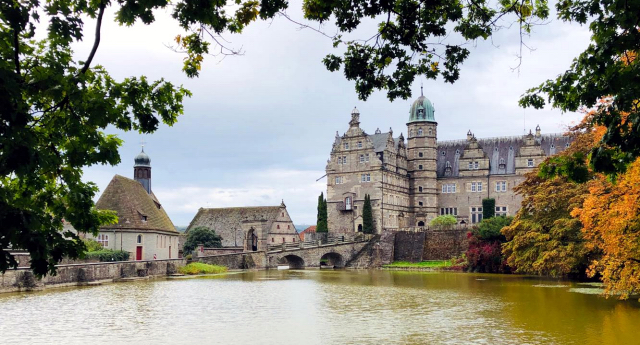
(142, 170)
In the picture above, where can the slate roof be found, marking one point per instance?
(131, 202)
(232, 217)
(380, 141)
(495, 149)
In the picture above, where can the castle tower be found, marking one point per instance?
(421, 159)
(142, 170)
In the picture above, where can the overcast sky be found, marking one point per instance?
(259, 127)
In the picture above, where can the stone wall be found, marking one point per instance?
(249, 260)
(429, 245)
(444, 244)
(220, 251)
(409, 246)
(377, 252)
(22, 279)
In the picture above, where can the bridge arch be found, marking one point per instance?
(332, 259)
(293, 261)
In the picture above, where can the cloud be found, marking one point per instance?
(259, 127)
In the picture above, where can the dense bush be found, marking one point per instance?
(447, 220)
(485, 246)
(201, 235)
(201, 268)
(92, 245)
(108, 255)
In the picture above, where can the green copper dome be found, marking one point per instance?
(422, 110)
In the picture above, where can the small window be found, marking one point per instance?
(566, 145)
(420, 167)
(103, 239)
(420, 189)
(475, 165)
(346, 146)
(420, 154)
(420, 223)
(444, 153)
(361, 158)
(344, 159)
(359, 144)
(430, 131)
(272, 240)
(139, 239)
(339, 160)
(283, 240)
(144, 218)
(420, 203)
(420, 132)
(288, 226)
(347, 203)
(366, 157)
(530, 163)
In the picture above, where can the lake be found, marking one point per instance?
(323, 307)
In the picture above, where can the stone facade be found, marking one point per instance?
(251, 228)
(412, 182)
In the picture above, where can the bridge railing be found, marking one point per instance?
(325, 241)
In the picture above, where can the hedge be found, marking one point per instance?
(108, 255)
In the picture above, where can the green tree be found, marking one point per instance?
(490, 228)
(488, 208)
(201, 235)
(322, 222)
(444, 220)
(367, 216)
(54, 110)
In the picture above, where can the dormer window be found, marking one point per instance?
(144, 218)
(347, 203)
(502, 165)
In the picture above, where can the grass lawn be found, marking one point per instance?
(200, 268)
(423, 264)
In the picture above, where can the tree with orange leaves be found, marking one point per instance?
(610, 216)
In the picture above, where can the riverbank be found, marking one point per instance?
(429, 265)
(22, 279)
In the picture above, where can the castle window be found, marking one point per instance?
(457, 152)
(530, 163)
(338, 179)
(430, 131)
(444, 153)
(502, 165)
(361, 158)
(501, 211)
(420, 132)
(420, 223)
(420, 189)
(347, 203)
(272, 240)
(139, 239)
(476, 186)
(420, 167)
(344, 159)
(420, 203)
(103, 239)
(449, 211)
(346, 146)
(510, 148)
(449, 188)
(278, 226)
(475, 165)
(501, 186)
(365, 178)
(288, 226)
(366, 157)
(143, 218)
(420, 154)
(553, 146)
(566, 145)
(476, 215)
(359, 144)
(283, 240)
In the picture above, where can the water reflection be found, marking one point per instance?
(321, 307)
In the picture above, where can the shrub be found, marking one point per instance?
(201, 235)
(445, 221)
(108, 255)
(201, 268)
(92, 245)
(488, 208)
(489, 229)
(485, 246)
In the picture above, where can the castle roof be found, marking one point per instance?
(422, 110)
(233, 217)
(132, 204)
(380, 141)
(499, 150)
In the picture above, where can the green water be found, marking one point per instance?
(323, 307)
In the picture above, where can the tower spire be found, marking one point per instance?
(421, 93)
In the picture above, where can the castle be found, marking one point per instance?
(411, 182)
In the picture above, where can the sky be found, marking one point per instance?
(259, 127)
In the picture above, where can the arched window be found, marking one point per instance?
(139, 239)
(419, 132)
(420, 223)
(278, 226)
(347, 203)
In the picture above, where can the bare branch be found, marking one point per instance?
(96, 42)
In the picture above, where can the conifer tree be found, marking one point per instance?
(321, 225)
(367, 215)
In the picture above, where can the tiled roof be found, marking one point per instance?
(310, 229)
(132, 202)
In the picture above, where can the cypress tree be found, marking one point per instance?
(488, 208)
(321, 225)
(367, 215)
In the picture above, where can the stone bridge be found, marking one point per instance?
(331, 255)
